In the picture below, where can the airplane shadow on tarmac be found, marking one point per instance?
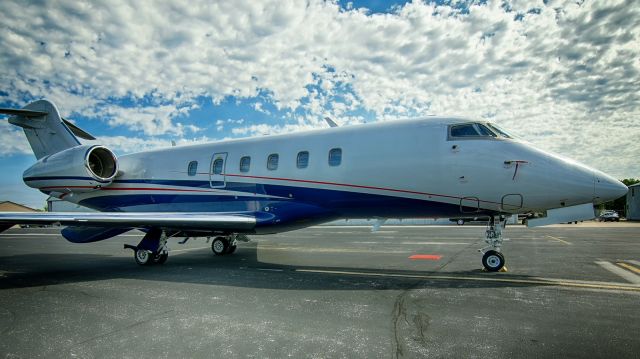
(242, 269)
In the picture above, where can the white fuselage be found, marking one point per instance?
(434, 167)
(397, 169)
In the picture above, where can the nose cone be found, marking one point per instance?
(608, 188)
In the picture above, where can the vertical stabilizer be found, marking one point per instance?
(45, 129)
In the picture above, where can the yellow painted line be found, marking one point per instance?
(559, 240)
(629, 267)
(535, 281)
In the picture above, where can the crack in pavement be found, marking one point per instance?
(420, 320)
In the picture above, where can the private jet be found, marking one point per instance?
(431, 167)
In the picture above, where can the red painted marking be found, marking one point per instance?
(433, 257)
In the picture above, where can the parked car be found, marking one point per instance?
(480, 220)
(609, 215)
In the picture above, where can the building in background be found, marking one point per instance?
(633, 203)
(8, 206)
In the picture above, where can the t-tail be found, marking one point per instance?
(64, 165)
(46, 131)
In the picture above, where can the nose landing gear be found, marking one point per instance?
(492, 259)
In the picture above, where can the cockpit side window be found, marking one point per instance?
(484, 130)
(499, 131)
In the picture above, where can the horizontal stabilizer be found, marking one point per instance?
(22, 112)
(30, 113)
(78, 131)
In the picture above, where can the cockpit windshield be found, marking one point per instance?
(477, 130)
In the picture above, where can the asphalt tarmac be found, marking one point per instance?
(327, 292)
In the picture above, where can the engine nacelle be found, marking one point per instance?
(82, 168)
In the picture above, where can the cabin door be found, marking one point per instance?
(217, 177)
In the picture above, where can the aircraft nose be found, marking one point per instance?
(608, 188)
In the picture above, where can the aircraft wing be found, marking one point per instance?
(176, 220)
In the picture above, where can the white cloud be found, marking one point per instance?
(152, 120)
(12, 140)
(124, 145)
(563, 74)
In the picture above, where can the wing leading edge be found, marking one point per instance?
(237, 222)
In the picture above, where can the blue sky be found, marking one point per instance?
(562, 74)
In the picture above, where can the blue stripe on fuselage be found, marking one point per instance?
(293, 200)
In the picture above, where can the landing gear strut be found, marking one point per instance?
(152, 248)
(493, 259)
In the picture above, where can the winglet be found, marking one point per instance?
(330, 122)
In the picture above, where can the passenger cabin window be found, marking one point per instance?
(217, 166)
(192, 169)
(303, 159)
(272, 162)
(245, 163)
(335, 157)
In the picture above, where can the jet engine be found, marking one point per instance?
(82, 168)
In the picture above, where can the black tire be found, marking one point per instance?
(142, 257)
(219, 246)
(460, 222)
(161, 258)
(232, 249)
(493, 261)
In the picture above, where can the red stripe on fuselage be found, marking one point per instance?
(274, 179)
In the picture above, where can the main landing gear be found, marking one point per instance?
(224, 245)
(493, 259)
(152, 248)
